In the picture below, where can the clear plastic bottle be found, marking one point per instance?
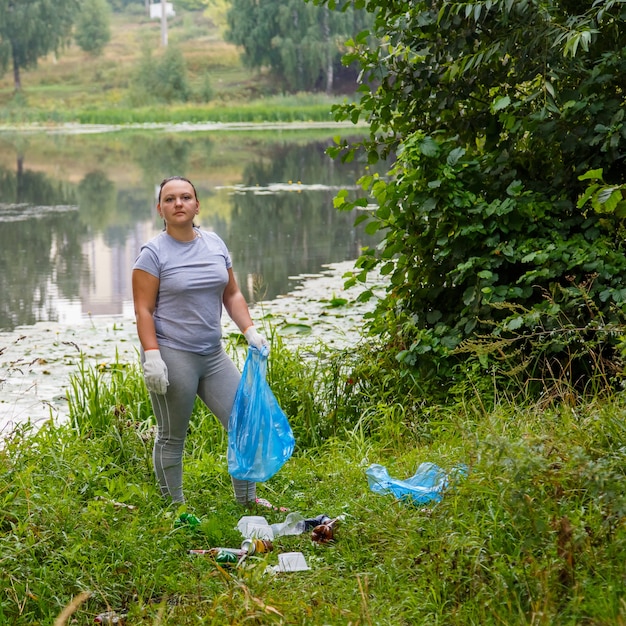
(294, 524)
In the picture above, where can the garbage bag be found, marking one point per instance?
(426, 485)
(260, 439)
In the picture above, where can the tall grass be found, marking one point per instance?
(534, 534)
(254, 112)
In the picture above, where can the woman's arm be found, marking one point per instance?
(145, 290)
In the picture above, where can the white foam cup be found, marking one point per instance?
(259, 531)
(292, 562)
(249, 524)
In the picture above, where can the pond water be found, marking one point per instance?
(75, 207)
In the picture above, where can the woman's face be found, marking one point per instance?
(178, 204)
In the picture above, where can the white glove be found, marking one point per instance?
(155, 372)
(255, 340)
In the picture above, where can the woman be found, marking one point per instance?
(181, 279)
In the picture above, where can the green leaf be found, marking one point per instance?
(454, 156)
(591, 175)
(500, 103)
(372, 227)
(515, 323)
(429, 147)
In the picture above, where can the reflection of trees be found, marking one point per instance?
(24, 270)
(96, 198)
(162, 156)
(70, 267)
(286, 233)
(35, 250)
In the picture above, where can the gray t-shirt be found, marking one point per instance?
(193, 275)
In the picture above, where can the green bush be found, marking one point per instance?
(500, 243)
(162, 79)
(92, 30)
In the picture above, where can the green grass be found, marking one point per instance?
(533, 534)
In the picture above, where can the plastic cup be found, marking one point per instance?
(292, 562)
(255, 527)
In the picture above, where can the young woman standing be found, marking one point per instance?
(181, 280)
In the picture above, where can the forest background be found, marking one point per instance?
(496, 351)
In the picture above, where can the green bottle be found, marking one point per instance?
(187, 519)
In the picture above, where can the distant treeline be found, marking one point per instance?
(301, 45)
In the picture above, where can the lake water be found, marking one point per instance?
(75, 207)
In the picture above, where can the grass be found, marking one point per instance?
(533, 534)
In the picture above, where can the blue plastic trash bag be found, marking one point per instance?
(426, 485)
(260, 439)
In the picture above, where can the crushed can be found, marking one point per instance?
(311, 522)
(256, 546)
(225, 557)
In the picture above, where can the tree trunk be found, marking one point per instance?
(19, 179)
(329, 53)
(299, 66)
(17, 82)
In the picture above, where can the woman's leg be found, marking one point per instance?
(173, 411)
(217, 389)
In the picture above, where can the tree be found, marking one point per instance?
(302, 44)
(93, 26)
(30, 29)
(500, 114)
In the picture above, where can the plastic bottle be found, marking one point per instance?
(324, 532)
(294, 524)
(187, 519)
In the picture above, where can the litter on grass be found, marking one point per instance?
(426, 485)
(291, 562)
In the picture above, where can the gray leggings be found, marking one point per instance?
(214, 378)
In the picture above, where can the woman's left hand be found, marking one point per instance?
(255, 339)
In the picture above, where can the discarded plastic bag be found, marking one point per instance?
(260, 439)
(426, 485)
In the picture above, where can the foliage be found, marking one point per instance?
(534, 533)
(93, 29)
(30, 29)
(100, 396)
(301, 44)
(162, 79)
(497, 111)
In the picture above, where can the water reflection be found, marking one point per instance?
(75, 210)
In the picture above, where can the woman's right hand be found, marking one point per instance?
(155, 372)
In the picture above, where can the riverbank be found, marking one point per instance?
(37, 362)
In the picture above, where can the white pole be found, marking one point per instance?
(163, 24)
